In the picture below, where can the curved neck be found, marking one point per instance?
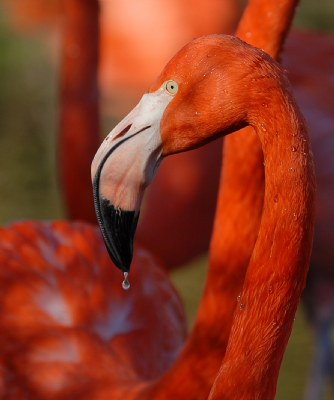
(79, 106)
(277, 271)
(241, 190)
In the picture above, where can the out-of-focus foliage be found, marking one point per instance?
(28, 108)
(315, 15)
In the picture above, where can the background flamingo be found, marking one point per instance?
(79, 125)
(66, 323)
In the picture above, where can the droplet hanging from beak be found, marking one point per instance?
(126, 284)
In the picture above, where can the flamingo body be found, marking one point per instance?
(68, 329)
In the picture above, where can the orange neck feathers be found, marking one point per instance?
(277, 271)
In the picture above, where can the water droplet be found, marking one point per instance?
(126, 284)
(291, 169)
(294, 216)
(294, 149)
(241, 306)
(239, 298)
(270, 288)
(264, 104)
(263, 127)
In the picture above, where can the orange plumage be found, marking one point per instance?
(67, 327)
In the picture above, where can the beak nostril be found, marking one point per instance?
(123, 132)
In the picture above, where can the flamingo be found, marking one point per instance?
(185, 108)
(214, 323)
(309, 88)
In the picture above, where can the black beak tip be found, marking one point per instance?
(118, 228)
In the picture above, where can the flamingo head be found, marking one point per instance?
(191, 103)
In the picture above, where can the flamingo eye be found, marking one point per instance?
(172, 87)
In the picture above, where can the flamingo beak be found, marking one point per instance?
(122, 168)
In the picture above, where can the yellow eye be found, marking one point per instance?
(172, 87)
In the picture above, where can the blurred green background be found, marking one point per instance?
(28, 178)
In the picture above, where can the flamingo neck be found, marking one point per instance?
(79, 137)
(241, 191)
(277, 271)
